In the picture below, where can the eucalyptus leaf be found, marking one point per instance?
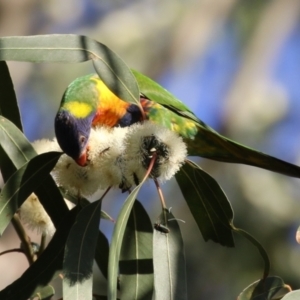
(10, 110)
(22, 183)
(102, 253)
(15, 144)
(70, 48)
(116, 242)
(20, 151)
(136, 257)
(80, 252)
(170, 279)
(8, 101)
(46, 267)
(207, 202)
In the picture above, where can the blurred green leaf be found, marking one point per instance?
(102, 253)
(20, 151)
(44, 293)
(136, 257)
(22, 183)
(295, 295)
(80, 252)
(45, 268)
(116, 242)
(207, 202)
(169, 260)
(271, 288)
(70, 48)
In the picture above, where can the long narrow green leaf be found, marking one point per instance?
(169, 260)
(69, 48)
(102, 247)
(207, 202)
(43, 270)
(136, 261)
(10, 110)
(116, 242)
(20, 151)
(102, 253)
(79, 254)
(22, 183)
(8, 101)
(15, 144)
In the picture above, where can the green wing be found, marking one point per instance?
(201, 139)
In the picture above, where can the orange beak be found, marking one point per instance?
(82, 159)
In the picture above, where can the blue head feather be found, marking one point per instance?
(72, 133)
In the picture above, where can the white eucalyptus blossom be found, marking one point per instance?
(104, 166)
(45, 145)
(146, 139)
(34, 216)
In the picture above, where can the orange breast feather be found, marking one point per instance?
(110, 111)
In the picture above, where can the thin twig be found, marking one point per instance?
(25, 240)
(12, 250)
(160, 193)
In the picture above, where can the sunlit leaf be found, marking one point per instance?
(43, 270)
(271, 288)
(22, 183)
(136, 262)
(169, 259)
(116, 242)
(207, 202)
(70, 48)
(80, 252)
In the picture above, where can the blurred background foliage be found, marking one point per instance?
(236, 64)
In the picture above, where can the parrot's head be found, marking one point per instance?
(72, 135)
(74, 119)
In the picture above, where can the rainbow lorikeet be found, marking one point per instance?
(88, 102)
